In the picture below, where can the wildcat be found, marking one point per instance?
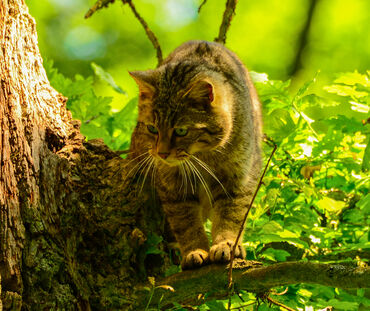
(199, 135)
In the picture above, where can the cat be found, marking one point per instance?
(199, 135)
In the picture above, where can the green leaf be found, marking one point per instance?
(304, 292)
(275, 254)
(345, 90)
(274, 94)
(343, 305)
(344, 124)
(215, 305)
(259, 77)
(303, 89)
(313, 100)
(353, 216)
(353, 78)
(172, 270)
(366, 159)
(330, 205)
(279, 124)
(152, 244)
(364, 204)
(105, 76)
(272, 227)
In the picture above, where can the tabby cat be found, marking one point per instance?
(198, 139)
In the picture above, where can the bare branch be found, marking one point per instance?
(303, 38)
(97, 6)
(201, 5)
(190, 285)
(153, 39)
(277, 303)
(226, 21)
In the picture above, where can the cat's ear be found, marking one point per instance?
(143, 80)
(201, 90)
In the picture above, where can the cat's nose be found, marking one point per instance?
(163, 155)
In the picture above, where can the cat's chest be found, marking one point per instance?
(187, 179)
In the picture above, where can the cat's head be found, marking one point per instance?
(183, 111)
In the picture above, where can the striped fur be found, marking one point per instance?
(203, 90)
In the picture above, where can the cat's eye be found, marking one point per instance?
(181, 131)
(152, 129)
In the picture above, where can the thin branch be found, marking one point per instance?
(97, 6)
(153, 39)
(277, 303)
(226, 20)
(303, 38)
(211, 279)
(280, 294)
(230, 275)
(201, 5)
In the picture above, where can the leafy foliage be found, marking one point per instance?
(97, 118)
(315, 202)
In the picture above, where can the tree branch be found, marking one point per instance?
(153, 39)
(201, 5)
(273, 301)
(190, 285)
(226, 21)
(150, 34)
(302, 41)
(97, 6)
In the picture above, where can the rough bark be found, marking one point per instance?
(74, 233)
(67, 234)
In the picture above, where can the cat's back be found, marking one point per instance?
(213, 55)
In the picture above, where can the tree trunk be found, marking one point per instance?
(69, 235)
(75, 234)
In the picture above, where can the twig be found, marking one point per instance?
(226, 20)
(201, 5)
(230, 275)
(280, 294)
(97, 6)
(279, 304)
(153, 39)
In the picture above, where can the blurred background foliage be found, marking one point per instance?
(268, 35)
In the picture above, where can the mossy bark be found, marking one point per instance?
(73, 233)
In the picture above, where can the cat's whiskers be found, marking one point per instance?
(139, 156)
(209, 171)
(189, 171)
(182, 176)
(202, 181)
(126, 164)
(225, 142)
(152, 182)
(184, 180)
(149, 166)
(135, 166)
(218, 150)
(138, 166)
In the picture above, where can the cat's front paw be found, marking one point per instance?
(195, 259)
(221, 252)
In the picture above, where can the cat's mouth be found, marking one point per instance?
(173, 160)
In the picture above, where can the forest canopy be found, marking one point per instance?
(310, 62)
